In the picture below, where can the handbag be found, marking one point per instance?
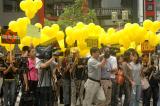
(145, 83)
(27, 96)
(120, 77)
(100, 94)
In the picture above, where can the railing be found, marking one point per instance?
(108, 11)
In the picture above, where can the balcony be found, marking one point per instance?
(107, 12)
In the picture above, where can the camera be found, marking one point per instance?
(106, 54)
(22, 64)
(110, 50)
(46, 52)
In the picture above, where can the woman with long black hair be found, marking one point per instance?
(129, 82)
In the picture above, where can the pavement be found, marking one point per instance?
(19, 95)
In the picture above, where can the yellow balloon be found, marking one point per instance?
(38, 4)
(55, 28)
(84, 52)
(60, 35)
(27, 20)
(135, 26)
(111, 30)
(38, 25)
(21, 33)
(79, 25)
(23, 5)
(132, 45)
(155, 26)
(103, 39)
(138, 49)
(147, 24)
(13, 26)
(61, 44)
(69, 41)
(44, 38)
(127, 25)
(35, 41)
(46, 31)
(27, 40)
(20, 46)
(82, 44)
(21, 22)
(29, 14)
(8, 46)
(91, 26)
(122, 50)
(69, 31)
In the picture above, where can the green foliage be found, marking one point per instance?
(73, 14)
(48, 22)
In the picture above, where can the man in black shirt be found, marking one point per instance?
(9, 83)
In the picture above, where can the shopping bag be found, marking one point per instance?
(145, 83)
(100, 94)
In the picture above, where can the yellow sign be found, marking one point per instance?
(146, 47)
(92, 42)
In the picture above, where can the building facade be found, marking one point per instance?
(10, 10)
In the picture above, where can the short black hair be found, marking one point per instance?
(94, 50)
(26, 48)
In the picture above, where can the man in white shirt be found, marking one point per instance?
(45, 73)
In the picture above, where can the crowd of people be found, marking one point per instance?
(101, 79)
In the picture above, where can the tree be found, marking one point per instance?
(74, 13)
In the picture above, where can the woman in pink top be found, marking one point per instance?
(32, 73)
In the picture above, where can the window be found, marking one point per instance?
(11, 5)
(150, 7)
(55, 7)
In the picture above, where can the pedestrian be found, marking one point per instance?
(129, 82)
(92, 85)
(66, 78)
(9, 84)
(153, 90)
(45, 67)
(32, 73)
(136, 73)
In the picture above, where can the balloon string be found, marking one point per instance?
(10, 53)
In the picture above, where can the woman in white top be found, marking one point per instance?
(136, 70)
